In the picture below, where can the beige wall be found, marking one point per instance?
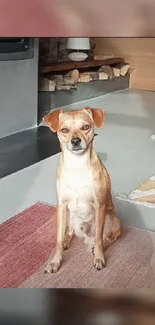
(139, 52)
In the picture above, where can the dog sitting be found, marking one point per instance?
(84, 202)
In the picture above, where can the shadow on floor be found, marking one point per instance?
(26, 148)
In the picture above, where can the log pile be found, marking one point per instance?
(59, 81)
(121, 69)
(69, 80)
(106, 72)
(46, 84)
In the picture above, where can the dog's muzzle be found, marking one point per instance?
(76, 144)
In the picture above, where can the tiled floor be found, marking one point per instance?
(123, 144)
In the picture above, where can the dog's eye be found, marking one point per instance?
(64, 130)
(85, 127)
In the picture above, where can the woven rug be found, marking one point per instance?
(27, 239)
(145, 192)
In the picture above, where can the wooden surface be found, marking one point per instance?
(139, 52)
(77, 65)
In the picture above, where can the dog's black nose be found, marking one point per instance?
(75, 142)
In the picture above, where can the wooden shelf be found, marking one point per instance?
(77, 65)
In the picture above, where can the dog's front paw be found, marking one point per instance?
(52, 267)
(99, 263)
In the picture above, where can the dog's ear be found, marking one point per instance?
(97, 115)
(52, 120)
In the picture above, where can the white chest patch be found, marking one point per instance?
(76, 187)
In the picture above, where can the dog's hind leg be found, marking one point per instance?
(112, 228)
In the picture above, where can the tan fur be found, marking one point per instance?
(85, 205)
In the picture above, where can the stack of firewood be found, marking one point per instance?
(69, 80)
(59, 82)
(107, 72)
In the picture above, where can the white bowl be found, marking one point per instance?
(78, 56)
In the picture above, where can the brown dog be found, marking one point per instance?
(85, 206)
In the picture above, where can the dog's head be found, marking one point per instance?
(75, 129)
